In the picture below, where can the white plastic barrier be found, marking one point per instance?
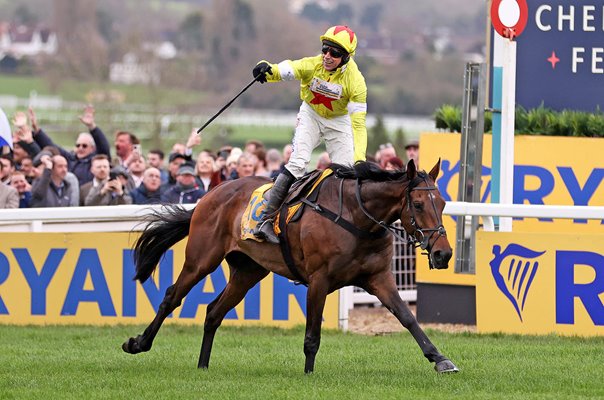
(128, 217)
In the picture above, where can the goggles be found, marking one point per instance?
(335, 53)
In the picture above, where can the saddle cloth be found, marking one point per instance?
(304, 187)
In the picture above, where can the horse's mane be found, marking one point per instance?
(366, 170)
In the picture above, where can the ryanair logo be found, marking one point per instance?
(514, 270)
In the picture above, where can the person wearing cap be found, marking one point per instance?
(186, 190)
(412, 151)
(334, 107)
(175, 160)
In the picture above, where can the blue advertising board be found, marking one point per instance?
(560, 56)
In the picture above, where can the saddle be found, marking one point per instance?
(305, 188)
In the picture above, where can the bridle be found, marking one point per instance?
(424, 241)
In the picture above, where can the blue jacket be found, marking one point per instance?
(177, 195)
(79, 166)
(141, 195)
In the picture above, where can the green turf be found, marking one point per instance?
(264, 363)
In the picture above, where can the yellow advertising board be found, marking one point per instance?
(542, 283)
(547, 170)
(86, 278)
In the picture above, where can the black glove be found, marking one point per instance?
(260, 71)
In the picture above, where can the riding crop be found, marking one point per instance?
(227, 105)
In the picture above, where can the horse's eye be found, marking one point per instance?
(418, 205)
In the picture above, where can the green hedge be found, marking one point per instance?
(537, 121)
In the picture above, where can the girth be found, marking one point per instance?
(324, 212)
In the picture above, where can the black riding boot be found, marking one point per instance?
(264, 230)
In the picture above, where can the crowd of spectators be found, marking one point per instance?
(40, 173)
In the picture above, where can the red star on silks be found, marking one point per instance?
(341, 28)
(553, 59)
(322, 99)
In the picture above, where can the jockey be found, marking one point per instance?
(334, 106)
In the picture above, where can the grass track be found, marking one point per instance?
(266, 363)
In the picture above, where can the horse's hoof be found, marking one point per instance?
(445, 367)
(131, 346)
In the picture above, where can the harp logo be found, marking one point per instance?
(514, 270)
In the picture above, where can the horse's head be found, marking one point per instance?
(422, 213)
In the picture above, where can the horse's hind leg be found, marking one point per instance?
(245, 273)
(384, 288)
(197, 266)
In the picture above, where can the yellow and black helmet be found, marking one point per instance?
(342, 36)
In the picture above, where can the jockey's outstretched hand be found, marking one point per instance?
(260, 71)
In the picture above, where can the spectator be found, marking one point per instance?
(207, 176)
(273, 162)
(124, 177)
(252, 146)
(385, 153)
(124, 148)
(23, 187)
(220, 164)
(110, 193)
(288, 149)
(155, 159)
(38, 170)
(394, 164)
(175, 160)
(323, 161)
(8, 167)
(261, 169)
(87, 145)
(178, 148)
(186, 190)
(149, 191)
(9, 197)
(51, 189)
(23, 140)
(245, 166)
(27, 166)
(137, 168)
(100, 172)
(412, 151)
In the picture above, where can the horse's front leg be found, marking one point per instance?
(315, 303)
(172, 299)
(384, 288)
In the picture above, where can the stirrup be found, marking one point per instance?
(265, 231)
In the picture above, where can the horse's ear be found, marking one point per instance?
(435, 170)
(411, 170)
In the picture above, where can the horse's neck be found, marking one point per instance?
(383, 200)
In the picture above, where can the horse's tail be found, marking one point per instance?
(165, 227)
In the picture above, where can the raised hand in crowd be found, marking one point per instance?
(194, 139)
(34, 121)
(19, 119)
(87, 117)
(24, 134)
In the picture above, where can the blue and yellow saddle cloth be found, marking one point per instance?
(253, 212)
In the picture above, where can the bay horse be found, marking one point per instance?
(327, 257)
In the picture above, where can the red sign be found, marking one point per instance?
(509, 17)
